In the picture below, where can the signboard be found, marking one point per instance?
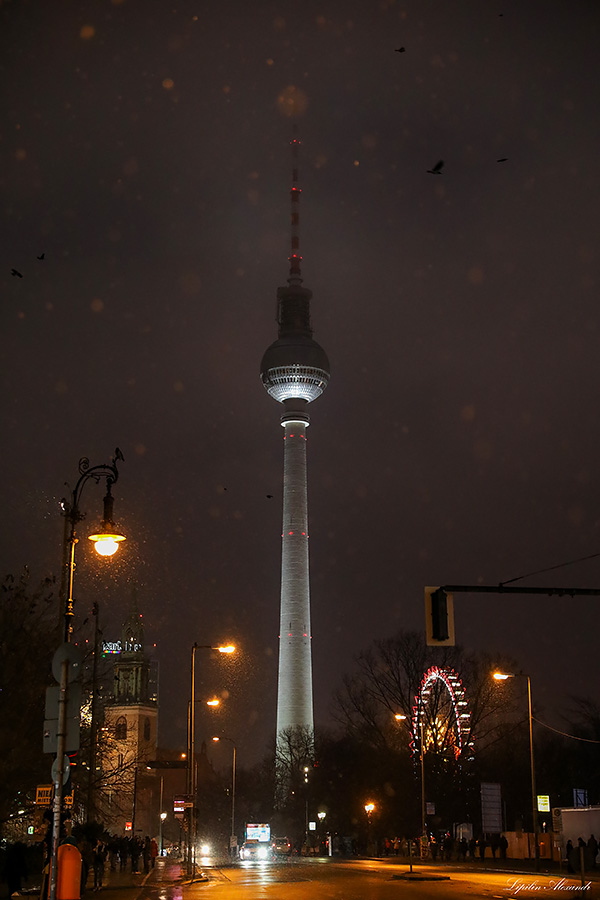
(557, 825)
(312, 826)
(580, 797)
(128, 826)
(130, 646)
(68, 800)
(258, 832)
(50, 735)
(491, 808)
(543, 802)
(179, 807)
(44, 794)
(430, 809)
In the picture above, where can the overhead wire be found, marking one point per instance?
(564, 733)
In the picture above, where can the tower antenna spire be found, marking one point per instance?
(295, 259)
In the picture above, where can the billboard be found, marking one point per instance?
(258, 832)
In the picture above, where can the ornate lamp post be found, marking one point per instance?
(107, 540)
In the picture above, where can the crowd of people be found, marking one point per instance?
(586, 849)
(119, 853)
(446, 848)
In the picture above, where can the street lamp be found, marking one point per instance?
(233, 834)
(369, 807)
(227, 649)
(503, 676)
(106, 539)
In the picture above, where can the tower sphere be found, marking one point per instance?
(295, 367)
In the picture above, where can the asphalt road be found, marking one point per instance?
(324, 879)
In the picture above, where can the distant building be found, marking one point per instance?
(129, 792)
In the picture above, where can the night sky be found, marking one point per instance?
(145, 152)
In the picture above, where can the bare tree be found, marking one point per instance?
(387, 682)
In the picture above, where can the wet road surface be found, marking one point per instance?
(326, 879)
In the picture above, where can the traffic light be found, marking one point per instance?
(439, 617)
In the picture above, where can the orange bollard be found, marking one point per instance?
(68, 880)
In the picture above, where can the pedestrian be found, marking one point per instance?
(482, 846)
(134, 850)
(87, 862)
(147, 854)
(99, 855)
(433, 847)
(472, 848)
(15, 867)
(503, 846)
(153, 850)
(462, 849)
(570, 852)
(593, 850)
(123, 853)
(448, 847)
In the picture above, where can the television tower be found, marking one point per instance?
(294, 371)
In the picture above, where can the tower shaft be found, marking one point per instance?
(294, 689)
(294, 371)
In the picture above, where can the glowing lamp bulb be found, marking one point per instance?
(214, 702)
(501, 676)
(229, 649)
(106, 544)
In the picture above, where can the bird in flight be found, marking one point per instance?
(437, 169)
(15, 273)
(400, 50)
(42, 256)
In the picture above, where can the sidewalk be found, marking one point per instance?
(510, 866)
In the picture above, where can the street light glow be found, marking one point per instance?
(502, 676)
(106, 544)
(214, 702)
(369, 807)
(228, 649)
(399, 717)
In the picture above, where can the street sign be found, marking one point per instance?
(557, 824)
(73, 701)
(543, 803)
(74, 656)
(51, 735)
(491, 808)
(68, 800)
(66, 769)
(44, 794)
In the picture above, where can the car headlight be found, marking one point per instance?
(205, 849)
(262, 853)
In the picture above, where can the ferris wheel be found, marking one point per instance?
(441, 721)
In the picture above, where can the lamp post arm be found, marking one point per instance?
(73, 515)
